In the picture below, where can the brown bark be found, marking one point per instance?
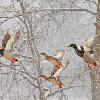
(95, 73)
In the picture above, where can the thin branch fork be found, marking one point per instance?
(67, 88)
(54, 10)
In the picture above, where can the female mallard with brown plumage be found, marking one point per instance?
(53, 80)
(7, 45)
(54, 60)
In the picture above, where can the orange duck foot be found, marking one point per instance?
(58, 66)
(60, 84)
(14, 60)
(92, 65)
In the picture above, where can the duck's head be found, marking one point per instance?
(43, 56)
(73, 45)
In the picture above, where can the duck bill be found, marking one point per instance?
(69, 46)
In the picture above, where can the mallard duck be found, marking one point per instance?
(85, 55)
(53, 80)
(7, 46)
(65, 63)
(56, 62)
(61, 57)
(52, 60)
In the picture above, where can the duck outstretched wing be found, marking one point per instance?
(13, 39)
(60, 54)
(5, 40)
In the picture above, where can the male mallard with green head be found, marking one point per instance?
(85, 55)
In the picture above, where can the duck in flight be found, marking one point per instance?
(85, 55)
(53, 60)
(7, 46)
(53, 80)
(59, 60)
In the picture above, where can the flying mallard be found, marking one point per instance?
(53, 60)
(7, 46)
(85, 55)
(62, 59)
(53, 80)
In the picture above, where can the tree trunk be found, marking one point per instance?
(95, 73)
